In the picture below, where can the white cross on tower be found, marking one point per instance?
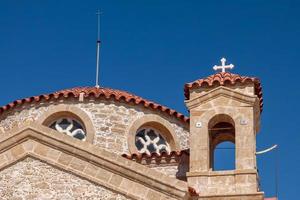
(223, 67)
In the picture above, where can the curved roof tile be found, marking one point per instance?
(138, 156)
(224, 78)
(105, 93)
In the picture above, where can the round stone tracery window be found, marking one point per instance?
(149, 140)
(69, 126)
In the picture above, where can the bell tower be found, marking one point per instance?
(224, 107)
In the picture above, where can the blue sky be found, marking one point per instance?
(151, 48)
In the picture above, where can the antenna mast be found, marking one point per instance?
(98, 13)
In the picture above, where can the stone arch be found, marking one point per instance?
(231, 112)
(156, 122)
(221, 128)
(58, 111)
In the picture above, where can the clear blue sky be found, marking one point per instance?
(151, 48)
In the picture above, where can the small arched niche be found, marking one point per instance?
(222, 142)
(68, 120)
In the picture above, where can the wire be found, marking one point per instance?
(276, 172)
(225, 148)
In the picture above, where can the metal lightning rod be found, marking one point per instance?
(266, 150)
(98, 13)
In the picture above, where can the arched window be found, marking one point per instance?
(149, 140)
(222, 140)
(152, 134)
(69, 120)
(69, 126)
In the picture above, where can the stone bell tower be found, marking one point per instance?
(224, 107)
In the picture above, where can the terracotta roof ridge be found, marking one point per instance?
(223, 78)
(106, 93)
(220, 77)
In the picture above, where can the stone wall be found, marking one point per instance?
(110, 119)
(168, 170)
(33, 179)
(176, 167)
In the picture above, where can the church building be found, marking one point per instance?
(101, 143)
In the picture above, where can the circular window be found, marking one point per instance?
(69, 126)
(149, 140)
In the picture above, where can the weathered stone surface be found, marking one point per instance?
(168, 170)
(33, 179)
(235, 105)
(110, 121)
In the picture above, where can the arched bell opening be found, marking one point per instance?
(222, 142)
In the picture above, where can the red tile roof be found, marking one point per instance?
(105, 93)
(172, 154)
(139, 157)
(224, 78)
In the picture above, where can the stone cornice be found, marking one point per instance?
(258, 195)
(77, 157)
(221, 91)
(222, 173)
